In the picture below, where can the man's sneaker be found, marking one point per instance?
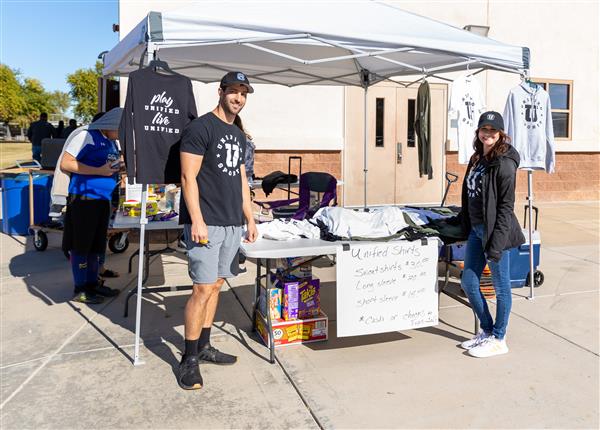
(189, 377)
(489, 347)
(87, 297)
(475, 341)
(103, 290)
(210, 354)
(56, 211)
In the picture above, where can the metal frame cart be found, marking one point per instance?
(118, 241)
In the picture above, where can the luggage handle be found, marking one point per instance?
(535, 209)
(290, 158)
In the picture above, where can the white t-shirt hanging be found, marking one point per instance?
(466, 105)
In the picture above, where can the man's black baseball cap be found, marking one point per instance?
(233, 78)
(491, 118)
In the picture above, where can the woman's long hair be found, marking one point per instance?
(498, 149)
(238, 121)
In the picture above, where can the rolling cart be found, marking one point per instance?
(118, 241)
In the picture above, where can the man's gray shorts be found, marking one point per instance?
(217, 259)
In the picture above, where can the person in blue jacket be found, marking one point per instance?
(487, 217)
(94, 163)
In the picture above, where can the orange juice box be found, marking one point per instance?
(296, 331)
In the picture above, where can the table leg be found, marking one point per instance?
(256, 292)
(137, 252)
(268, 316)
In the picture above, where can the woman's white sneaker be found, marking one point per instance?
(489, 347)
(475, 341)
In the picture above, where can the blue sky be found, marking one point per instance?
(49, 39)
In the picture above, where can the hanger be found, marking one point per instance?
(468, 75)
(157, 63)
(526, 80)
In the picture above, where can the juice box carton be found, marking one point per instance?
(301, 298)
(274, 296)
(294, 332)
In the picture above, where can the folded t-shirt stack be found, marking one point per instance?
(288, 229)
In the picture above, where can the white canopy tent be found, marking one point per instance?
(293, 43)
(303, 42)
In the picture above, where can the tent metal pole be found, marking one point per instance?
(365, 168)
(140, 278)
(530, 232)
(140, 275)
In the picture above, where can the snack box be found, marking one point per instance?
(301, 298)
(274, 295)
(303, 271)
(134, 208)
(293, 332)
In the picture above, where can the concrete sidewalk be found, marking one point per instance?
(66, 365)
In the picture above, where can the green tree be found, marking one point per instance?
(61, 102)
(37, 99)
(84, 91)
(12, 102)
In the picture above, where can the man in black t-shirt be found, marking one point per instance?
(216, 199)
(38, 131)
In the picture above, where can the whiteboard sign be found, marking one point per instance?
(386, 287)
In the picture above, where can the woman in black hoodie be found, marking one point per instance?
(487, 217)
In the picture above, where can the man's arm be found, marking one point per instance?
(70, 164)
(190, 167)
(247, 207)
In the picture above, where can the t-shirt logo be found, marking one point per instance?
(474, 181)
(162, 104)
(469, 117)
(531, 113)
(228, 155)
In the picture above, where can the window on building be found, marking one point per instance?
(561, 99)
(410, 138)
(379, 111)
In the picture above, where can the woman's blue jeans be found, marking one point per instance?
(475, 261)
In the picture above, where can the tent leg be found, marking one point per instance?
(140, 278)
(140, 274)
(530, 232)
(365, 168)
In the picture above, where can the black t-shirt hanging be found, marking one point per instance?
(157, 109)
(223, 147)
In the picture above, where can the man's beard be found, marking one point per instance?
(226, 107)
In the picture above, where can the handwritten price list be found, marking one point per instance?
(386, 287)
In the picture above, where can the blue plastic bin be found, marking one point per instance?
(15, 201)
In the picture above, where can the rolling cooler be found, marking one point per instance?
(518, 257)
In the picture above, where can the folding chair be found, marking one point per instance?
(306, 205)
